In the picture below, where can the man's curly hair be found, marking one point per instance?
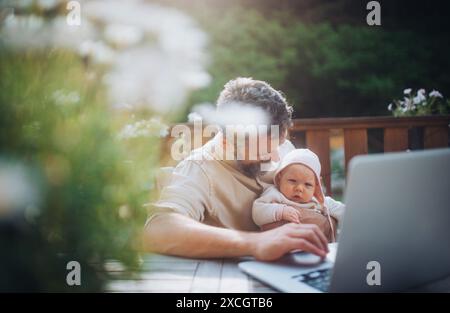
(259, 94)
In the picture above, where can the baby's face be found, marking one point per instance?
(297, 183)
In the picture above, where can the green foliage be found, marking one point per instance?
(92, 185)
(324, 69)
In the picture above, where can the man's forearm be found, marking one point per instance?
(175, 234)
(273, 225)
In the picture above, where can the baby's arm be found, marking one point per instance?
(268, 209)
(290, 214)
(265, 212)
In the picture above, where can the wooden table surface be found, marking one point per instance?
(162, 273)
(167, 274)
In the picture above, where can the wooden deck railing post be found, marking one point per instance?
(436, 137)
(319, 142)
(355, 143)
(395, 139)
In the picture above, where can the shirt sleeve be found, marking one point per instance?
(266, 209)
(335, 207)
(187, 193)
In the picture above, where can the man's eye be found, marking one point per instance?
(291, 180)
(308, 185)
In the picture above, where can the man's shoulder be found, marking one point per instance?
(200, 155)
(199, 160)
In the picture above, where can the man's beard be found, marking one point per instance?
(252, 170)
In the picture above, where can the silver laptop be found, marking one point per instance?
(394, 236)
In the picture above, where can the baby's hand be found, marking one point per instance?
(290, 214)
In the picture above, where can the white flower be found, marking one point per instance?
(19, 4)
(62, 98)
(154, 74)
(194, 117)
(164, 132)
(407, 103)
(123, 36)
(176, 32)
(407, 91)
(47, 4)
(124, 212)
(20, 31)
(160, 55)
(35, 32)
(419, 98)
(73, 97)
(195, 80)
(145, 77)
(17, 189)
(421, 91)
(390, 107)
(63, 35)
(97, 51)
(435, 94)
(144, 128)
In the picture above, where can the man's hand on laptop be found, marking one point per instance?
(272, 244)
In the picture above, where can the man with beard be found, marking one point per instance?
(206, 209)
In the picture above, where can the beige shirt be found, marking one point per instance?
(213, 191)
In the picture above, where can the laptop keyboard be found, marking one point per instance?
(319, 279)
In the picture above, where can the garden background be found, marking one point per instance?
(83, 109)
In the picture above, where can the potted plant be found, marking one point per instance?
(419, 104)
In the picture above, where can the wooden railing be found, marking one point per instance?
(355, 132)
(315, 134)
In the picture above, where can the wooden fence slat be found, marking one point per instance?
(369, 122)
(355, 142)
(395, 139)
(318, 141)
(297, 138)
(436, 137)
(306, 132)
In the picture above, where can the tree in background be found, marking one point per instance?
(322, 54)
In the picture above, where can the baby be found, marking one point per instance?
(297, 196)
